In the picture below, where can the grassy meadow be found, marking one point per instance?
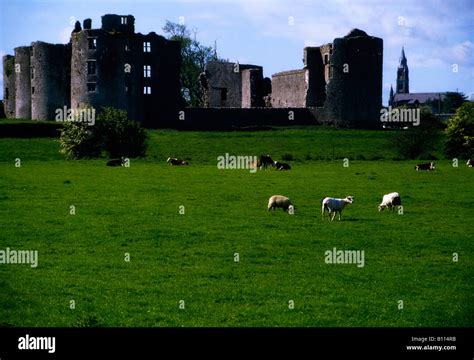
(191, 257)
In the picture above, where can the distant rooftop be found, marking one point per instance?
(410, 98)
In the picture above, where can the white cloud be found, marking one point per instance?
(65, 34)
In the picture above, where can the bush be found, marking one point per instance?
(418, 141)
(79, 140)
(112, 134)
(121, 137)
(460, 132)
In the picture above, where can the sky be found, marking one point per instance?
(438, 36)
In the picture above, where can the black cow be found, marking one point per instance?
(282, 166)
(115, 162)
(425, 166)
(264, 161)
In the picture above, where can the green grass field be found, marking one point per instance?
(190, 257)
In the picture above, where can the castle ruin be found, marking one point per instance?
(340, 82)
(110, 66)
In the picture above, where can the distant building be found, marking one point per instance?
(344, 77)
(403, 95)
(110, 66)
(233, 85)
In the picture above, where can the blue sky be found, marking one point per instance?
(438, 35)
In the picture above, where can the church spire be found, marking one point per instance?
(402, 75)
(391, 96)
(403, 59)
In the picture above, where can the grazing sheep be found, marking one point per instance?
(425, 166)
(279, 201)
(115, 162)
(390, 201)
(282, 166)
(265, 161)
(333, 206)
(175, 161)
(470, 163)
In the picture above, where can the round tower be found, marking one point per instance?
(354, 91)
(22, 83)
(9, 85)
(50, 71)
(97, 69)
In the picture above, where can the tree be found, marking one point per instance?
(452, 101)
(194, 59)
(419, 141)
(113, 133)
(460, 132)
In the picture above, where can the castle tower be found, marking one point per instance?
(22, 83)
(9, 85)
(354, 90)
(114, 66)
(402, 75)
(50, 79)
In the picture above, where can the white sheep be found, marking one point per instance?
(390, 201)
(279, 201)
(333, 206)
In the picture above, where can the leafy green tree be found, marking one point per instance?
(113, 134)
(419, 141)
(460, 132)
(195, 56)
(452, 101)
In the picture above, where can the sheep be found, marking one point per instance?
(390, 201)
(281, 166)
(470, 162)
(279, 201)
(333, 206)
(175, 161)
(425, 166)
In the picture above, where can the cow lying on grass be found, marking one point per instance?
(175, 161)
(282, 166)
(115, 162)
(470, 163)
(425, 166)
(333, 206)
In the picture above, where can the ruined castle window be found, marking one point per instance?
(91, 87)
(92, 43)
(147, 90)
(223, 94)
(146, 46)
(123, 20)
(32, 73)
(91, 68)
(146, 71)
(326, 58)
(33, 90)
